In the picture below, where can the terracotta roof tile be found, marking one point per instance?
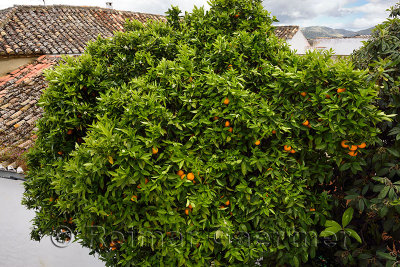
(286, 32)
(18, 110)
(35, 30)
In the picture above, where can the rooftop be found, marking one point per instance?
(59, 29)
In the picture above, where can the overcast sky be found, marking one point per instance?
(343, 14)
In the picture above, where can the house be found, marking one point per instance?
(294, 37)
(32, 39)
(342, 46)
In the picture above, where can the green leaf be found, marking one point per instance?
(347, 216)
(244, 168)
(353, 234)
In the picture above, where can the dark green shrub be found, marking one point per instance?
(374, 191)
(121, 121)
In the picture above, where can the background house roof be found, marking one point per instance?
(19, 94)
(286, 32)
(38, 30)
(60, 29)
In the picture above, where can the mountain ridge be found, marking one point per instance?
(313, 32)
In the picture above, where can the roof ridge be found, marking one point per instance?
(81, 7)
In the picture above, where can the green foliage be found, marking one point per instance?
(121, 120)
(374, 191)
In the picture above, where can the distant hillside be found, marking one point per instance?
(319, 31)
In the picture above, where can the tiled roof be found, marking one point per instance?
(19, 93)
(58, 29)
(286, 32)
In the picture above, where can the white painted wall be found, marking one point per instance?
(16, 247)
(341, 46)
(299, 43)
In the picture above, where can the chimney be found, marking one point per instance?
(109, 5)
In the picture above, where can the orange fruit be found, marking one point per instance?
(273, 132)
(190, 79)
(70, 131)
(341, 90)
(312, 209)
(154, 150)
(51, 199)
(287, 148)
(190, 206)
(230, 129)
(226, 101)
(343, 144)
(362, 145)
(180, 173)
(237, 15)
(292, 151)
(353, 153)
(60, 152)
(227, 203)
(133, 198)
(309, 126)
(227, 124)
(229, 66)
(101, 245)
(269, 169)
(190, 176)
(222, 207)
(182, 176)
(187, 211)
(139, 186)
(303, 93)
(216, 118)
(353, 148)
(146, 181)
(327, 96)
(257, 143)
(306, 123)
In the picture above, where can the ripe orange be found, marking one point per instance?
(216, 118)
(229, 66)
(237, 15)
(190, 206)
(154, 150)
(51, 199)
(133, 198)
(180, 173)
(230, 129)
(190, 176)
(306, 123)
(190, 79)
(341, 90)
(146, 181)
(353, 153)
(227, 124)
(327, 96)
(187, 211)
(353, 148)
(312, 209)
(227, 203)
(269, 169)
(257, 143)
(343, 144)
(182, 176)
(226, 101)
(273, 132)
(292, 151)
(60, 152)
(303, 93)
(70, 131)
(287, 148)
(139, 186)
(362, 145)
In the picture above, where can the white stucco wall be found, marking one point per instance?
(341, 46)
(299, 42)
(18, 250)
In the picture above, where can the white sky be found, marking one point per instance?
(345, 14)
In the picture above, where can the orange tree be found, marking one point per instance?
(200, 140)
